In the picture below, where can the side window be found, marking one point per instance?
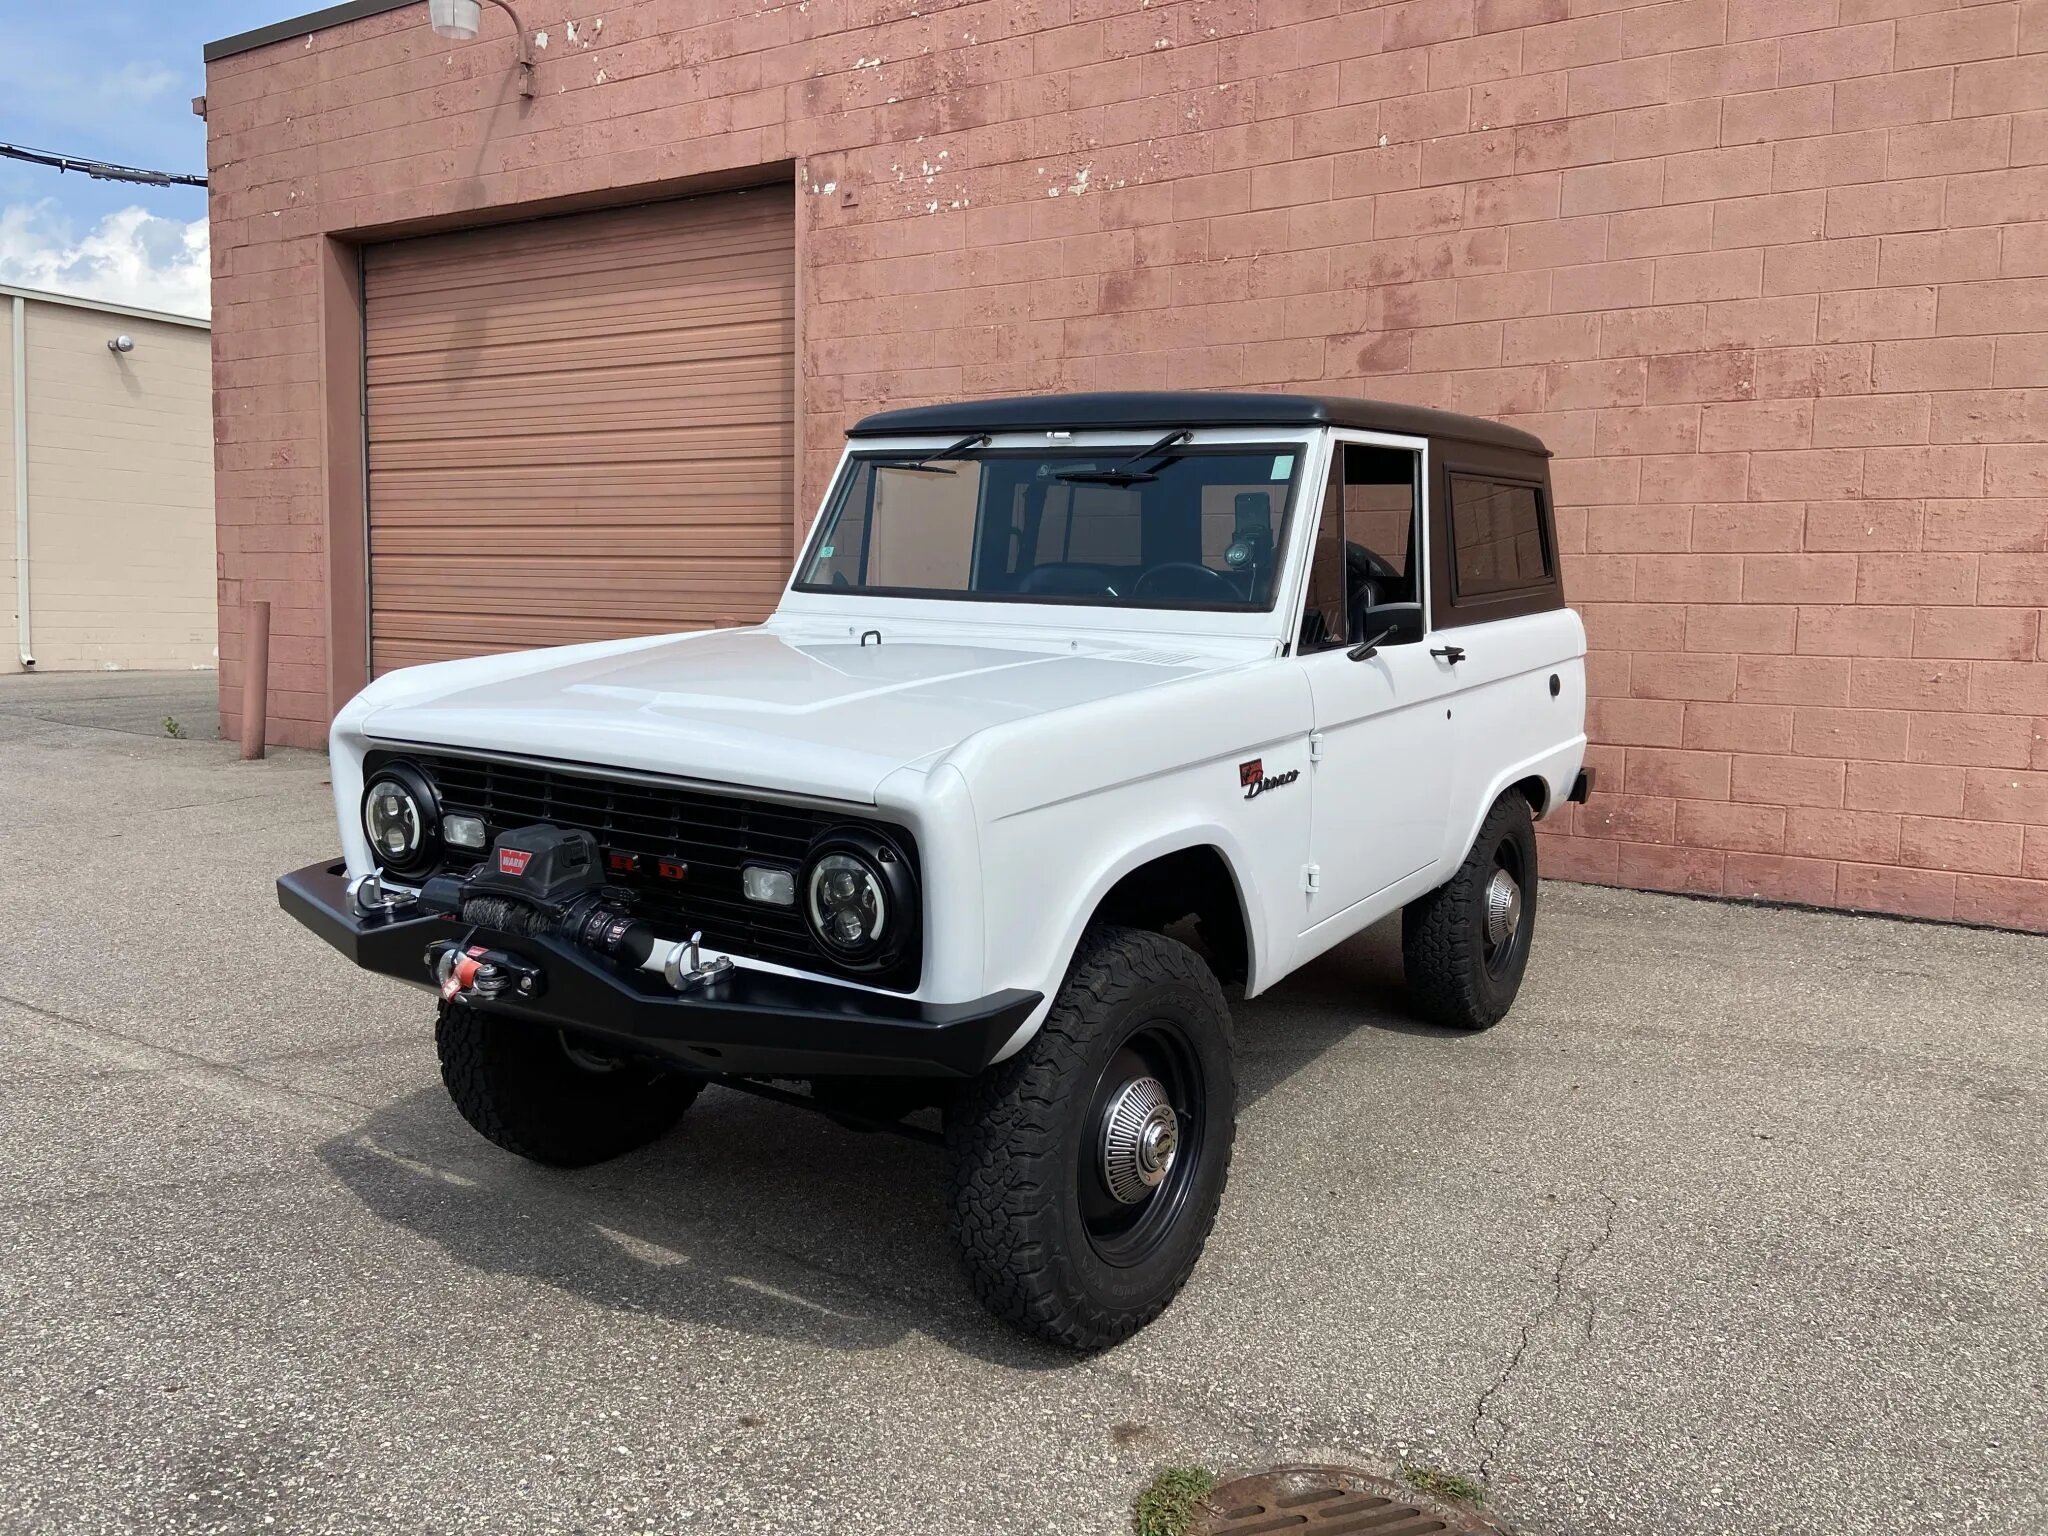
(1323, 619)
(1497, 542)
(1366, 542)
(1379, 518)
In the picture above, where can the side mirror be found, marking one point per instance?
(1389, 624)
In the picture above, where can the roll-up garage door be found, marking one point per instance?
(580, 427)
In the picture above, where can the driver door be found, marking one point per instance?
(1381, 752)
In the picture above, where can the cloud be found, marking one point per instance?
(131, 256)
(134, 82)
(65, 83)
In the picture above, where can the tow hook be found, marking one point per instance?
(686, 966)
(369, 894)
(473, 973)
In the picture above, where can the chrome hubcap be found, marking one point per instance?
(1139, 1139)
(1503, 908)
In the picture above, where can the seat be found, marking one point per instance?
(1364, 584)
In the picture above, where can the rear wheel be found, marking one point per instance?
(551, 1095)
(1086, 1171)
(1465, 945)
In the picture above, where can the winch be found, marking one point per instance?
(546, 881)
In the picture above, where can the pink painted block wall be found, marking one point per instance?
(1771, 277)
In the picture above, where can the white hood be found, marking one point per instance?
(824, 717)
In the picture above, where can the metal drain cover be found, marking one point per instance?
(1335, 1501)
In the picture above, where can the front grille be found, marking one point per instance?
(711, 835)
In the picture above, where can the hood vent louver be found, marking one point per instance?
(1149, 658)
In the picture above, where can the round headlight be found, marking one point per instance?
(849, 907)
(398, 818)
(859, 897)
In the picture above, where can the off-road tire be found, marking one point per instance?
(1443, 934)
(517, 1084)
(1018, 1135)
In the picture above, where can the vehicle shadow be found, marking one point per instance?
(749, 1217)
(767, 1220)
(1353, 991)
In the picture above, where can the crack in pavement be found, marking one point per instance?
(1564, 1270)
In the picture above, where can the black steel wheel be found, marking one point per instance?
(1086, 1171)
(1506, 918)
(1465, 945)
(1146, 1122)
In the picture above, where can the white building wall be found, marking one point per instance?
(120, 469)
(10, 614)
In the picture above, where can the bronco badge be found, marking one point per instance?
(1252, 776)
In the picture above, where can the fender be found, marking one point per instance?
(940, 805)
(1064, 819)
(1107, 873)
(1556, 767)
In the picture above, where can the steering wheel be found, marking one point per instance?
(1065, 581)
(1211, 585)
(1362, 564)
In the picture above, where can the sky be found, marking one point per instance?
(111, 80)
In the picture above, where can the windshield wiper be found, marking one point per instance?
(926, 465)
(1123, 474)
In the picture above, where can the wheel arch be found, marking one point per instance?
(1234, 897)
(1544, 779)
(1195, 880)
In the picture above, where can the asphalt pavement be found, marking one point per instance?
(1735, 1224)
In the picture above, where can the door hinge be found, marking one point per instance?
(1312, 878)
(1315, 746)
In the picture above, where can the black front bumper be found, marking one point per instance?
(750, 1023)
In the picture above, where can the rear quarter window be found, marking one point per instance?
(1498, 543)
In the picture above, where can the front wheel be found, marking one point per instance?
(551, 1096)
(1465, 945)
(1085, 1172)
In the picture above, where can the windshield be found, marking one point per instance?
(1165, 527)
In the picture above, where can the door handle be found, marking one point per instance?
(1451, 653)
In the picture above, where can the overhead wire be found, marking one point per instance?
(100, 170)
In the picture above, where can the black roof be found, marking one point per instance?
(1165, 409)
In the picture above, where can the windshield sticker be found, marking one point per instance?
(1283, 465)
(825, 553)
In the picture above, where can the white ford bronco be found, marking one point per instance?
(1076, 709)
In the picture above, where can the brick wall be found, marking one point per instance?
(1771, 276)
